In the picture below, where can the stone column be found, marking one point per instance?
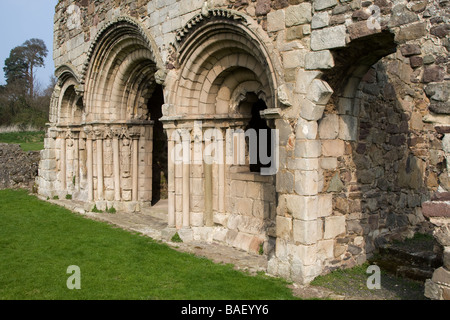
(135, 162)
(90, 166)
(116, 163)
(186, 178)
(209, 218)
(171, 180)
(76, 169)
(222, 160)
(63, 159)
(100, 186)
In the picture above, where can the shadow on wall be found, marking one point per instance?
(386, 172)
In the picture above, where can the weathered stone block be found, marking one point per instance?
(411, 32)
(301, 207)
(325, 205)
(298, 14)
(401, 16)
(328, 163)
(307, 255)
(333, 148)
(432, 290)
(304, 274)
(303, 164)
(48, 165)
(441, 276)
(324, 4)
(308, 149)
(262, 7)
(319, 60)
(334, 226)
(254, 190)
(305, 232)
(325, 249)
(275, 21)
(285, 182)
(285, 130)
(436, 209)
(408, 50)
(244, 206)
(438, 91)
(320, 20)
(329, 127)
(319, 92)
(441, 31)
(238, 188)
(328, 38)
(446, 257)
(306, 129)
(415, 61)
(348, 128)
(347, 107)
(310, 111)
(307, 183)
(294, 59)
(284, 227)
(361, 29)
(433, 74)
(304, 79)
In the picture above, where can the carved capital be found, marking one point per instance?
(89, 132)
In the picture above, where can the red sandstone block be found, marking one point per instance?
(441, 196)
(436, 209)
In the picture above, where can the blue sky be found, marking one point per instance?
(21, 20)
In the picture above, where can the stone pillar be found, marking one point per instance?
(222, 161)
(186, 179)
(135, 162)
(209, 217)
(171, 180)
(116, 163)
(100, 181)
(63, 159)
(90, 166)
(76, 156)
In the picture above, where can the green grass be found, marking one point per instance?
(341, 276)
(39, 241)
(353, 282)
(29, 141)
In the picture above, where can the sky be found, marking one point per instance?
(21, 20)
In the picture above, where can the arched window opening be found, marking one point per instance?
(259, 137)
(160, 152)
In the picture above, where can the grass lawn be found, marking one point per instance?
(39, 241)
(29, 141)
(353, 282)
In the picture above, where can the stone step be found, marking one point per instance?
(416, 262)
(426, 259)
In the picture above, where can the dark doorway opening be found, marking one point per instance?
(262, 130)
(160, 153)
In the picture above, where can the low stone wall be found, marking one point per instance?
(18, 168)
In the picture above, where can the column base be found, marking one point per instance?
(168, 233)
(186, 234)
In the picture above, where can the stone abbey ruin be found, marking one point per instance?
(356, 93)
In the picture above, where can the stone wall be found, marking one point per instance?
(18, 169)
(358, 91)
